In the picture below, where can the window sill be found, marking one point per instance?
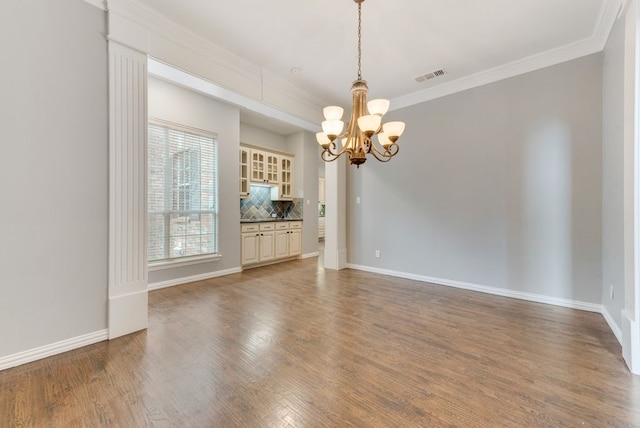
(186, 261)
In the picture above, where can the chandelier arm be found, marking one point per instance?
(326, 158)
(386, 153)
(378, 148)
(380, 156)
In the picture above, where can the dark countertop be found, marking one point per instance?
(265, 220)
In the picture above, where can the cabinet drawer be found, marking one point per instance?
(281, 226)
(249, 228)
(267, 226)
(295, 225)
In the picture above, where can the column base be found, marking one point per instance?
(128, 313)
(631, 342)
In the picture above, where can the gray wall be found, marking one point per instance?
(612, 173)
(303, 145)
(250, 134)
(497, 186)
(176, 104)
(53, 221)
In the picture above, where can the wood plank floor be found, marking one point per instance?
(291, 345)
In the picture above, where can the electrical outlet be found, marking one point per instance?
(377, 254)
(611, 293)
(357, 199)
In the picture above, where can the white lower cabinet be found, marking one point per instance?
(282, 243)
(264, 242)
(250, 248)
(258, 244)
(295, 239)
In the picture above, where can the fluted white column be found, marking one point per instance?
(631, 313)
(127, 189)
(335, 240)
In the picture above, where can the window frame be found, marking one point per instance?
(169, 193)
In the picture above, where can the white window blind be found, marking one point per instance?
(182, 202)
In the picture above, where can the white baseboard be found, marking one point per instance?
(52, 349)
(615, 328)
(310, 255)
(538, 298)
(192, 278)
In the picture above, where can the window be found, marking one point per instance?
(182, 192)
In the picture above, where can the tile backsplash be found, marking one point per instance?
(259, 206)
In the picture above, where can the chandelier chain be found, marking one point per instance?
(359, 41)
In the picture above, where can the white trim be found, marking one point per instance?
(187, 261)
(538, 298)
(128, 312)
(161, 70)
(192, 278)
(630, 323)
(45, 351)
(535, 62)
(631, 342)
(100, 4)
(257, 82)
(615, 328)
(310, 255)
(623, 8)
(609, 12)
(265, 88)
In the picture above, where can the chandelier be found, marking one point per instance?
(357, 139)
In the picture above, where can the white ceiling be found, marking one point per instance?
(401, 39)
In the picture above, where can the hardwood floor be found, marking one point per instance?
(291, 345)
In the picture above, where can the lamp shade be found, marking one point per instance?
(379, 106)
(393, 129)
(369, 124)
(332, 127)
(333, 112)
(322, 139)
(384, 140)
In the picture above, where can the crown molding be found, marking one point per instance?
(188, 80)
(609, 13)
(515, 68)
(100, 4)
(172, 43)
(623, 8)
(254, 82)
(595, 43)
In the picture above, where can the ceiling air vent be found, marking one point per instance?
(432, 75)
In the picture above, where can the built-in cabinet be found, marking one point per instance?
(257, 170)
(244, 172)
(288, 239)
(285, 187)
(258, 242)
(270, 241)
(265, 167)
